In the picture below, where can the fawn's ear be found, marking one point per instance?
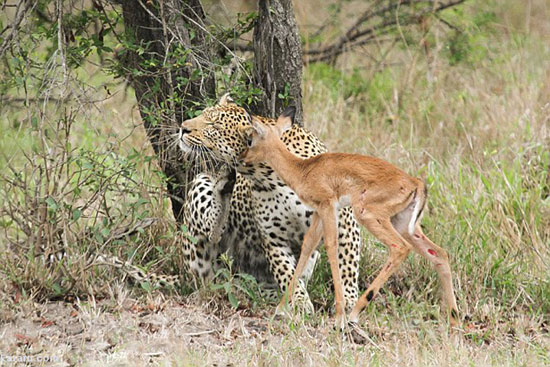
(285, 120)
(259, 128)
(254, 131)
(225, 100)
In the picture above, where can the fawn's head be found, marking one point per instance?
(262, 138)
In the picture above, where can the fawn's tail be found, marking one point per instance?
(420, 196)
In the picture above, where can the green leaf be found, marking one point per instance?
(98, 237)
(77, 213)
(146, 286)
(57, 289)
(52, 204)
(105, 232)
(140, 202)
(5, 223)
(233, 300)
(216, 287)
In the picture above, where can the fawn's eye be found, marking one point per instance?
(249, 141)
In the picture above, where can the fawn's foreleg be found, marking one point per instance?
(310, 243)
(330, 232)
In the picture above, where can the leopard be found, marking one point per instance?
(266, 221)
(213, 228)
(246, 212)
(204, 236)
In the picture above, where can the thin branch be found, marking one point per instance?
(241, 47)
(448, 24)
(23, 7)
(5, 100)
(351, 46)
(355, 36)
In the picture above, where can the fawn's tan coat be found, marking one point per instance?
(386, 200)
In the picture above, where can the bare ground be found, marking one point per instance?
(195, 331)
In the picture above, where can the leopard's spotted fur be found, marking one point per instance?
(266, 220)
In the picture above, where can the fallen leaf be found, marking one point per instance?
(18, 294)
(46, 323)
(23, 339)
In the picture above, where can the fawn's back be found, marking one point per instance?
(355, 174)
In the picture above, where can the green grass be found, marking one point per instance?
(479, 135)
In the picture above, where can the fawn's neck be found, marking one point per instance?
(285, 164)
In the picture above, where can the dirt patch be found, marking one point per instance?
(199, 332)
(83, 332)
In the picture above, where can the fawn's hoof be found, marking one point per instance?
(355, 334)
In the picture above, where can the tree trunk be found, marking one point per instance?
(167, 83)
(277, 58)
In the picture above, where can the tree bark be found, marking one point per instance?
(167, 88)
(277, 59)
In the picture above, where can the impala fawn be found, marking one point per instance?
(386, 200)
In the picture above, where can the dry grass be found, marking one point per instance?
(195, 332)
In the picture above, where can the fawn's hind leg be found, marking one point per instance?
(399, 248)
(439, 259)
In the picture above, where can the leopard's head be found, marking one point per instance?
(220, 132)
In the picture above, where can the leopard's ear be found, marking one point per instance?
(225, 100)
(285, 120)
